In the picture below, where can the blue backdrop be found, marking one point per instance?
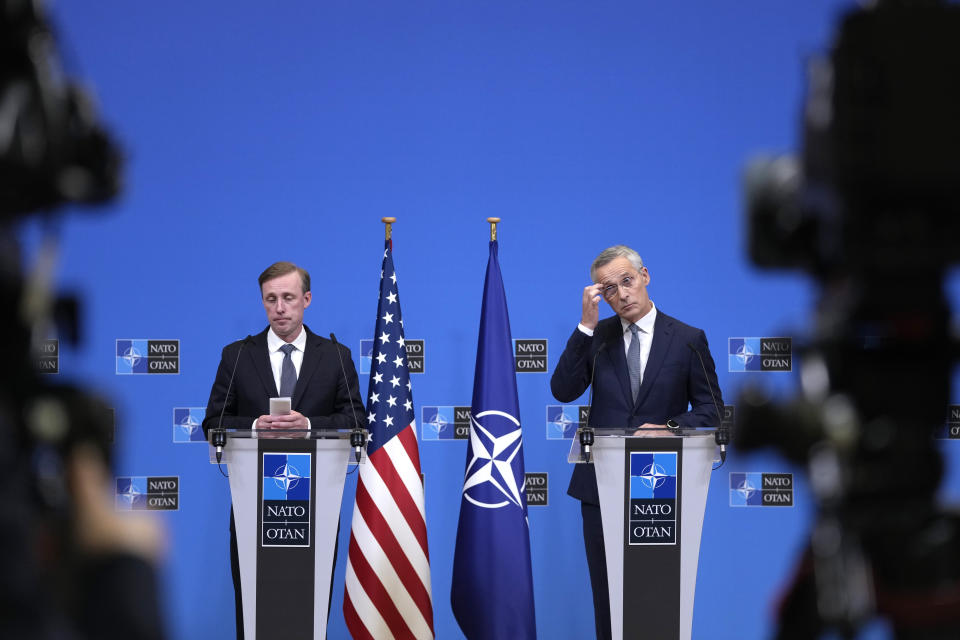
(259, 132)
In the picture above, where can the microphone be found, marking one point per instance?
(722, 436)
(219, 437)
(356, 436)
(586, 434)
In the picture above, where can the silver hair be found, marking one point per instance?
(612, 253)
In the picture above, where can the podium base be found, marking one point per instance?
(653, 493)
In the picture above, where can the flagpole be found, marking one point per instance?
(493, 228)
(491, 592)
(389, 519)
(388, 220)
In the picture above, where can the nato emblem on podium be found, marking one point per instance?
(286, 500)
(652, 507)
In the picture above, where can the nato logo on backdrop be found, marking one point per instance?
(564, 419)
(530, 356)
(366, 355)
(147, 356)
(416, 355)
(652, 517)
(536, 487)
(760, 354)
(147, 493)
(951, 428)
(47, 356)
(756, 489)
(286, 500)
(186, 424)
(444, 423)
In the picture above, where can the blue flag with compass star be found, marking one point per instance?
(492, 593)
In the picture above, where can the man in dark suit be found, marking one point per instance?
(285, 359)
(320, 396)
(648, 375)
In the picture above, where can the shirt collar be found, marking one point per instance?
(274, 342)
(645, 323)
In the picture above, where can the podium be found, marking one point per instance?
(286, 488)
(653, 493)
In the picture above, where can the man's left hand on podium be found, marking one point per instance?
(647, 430)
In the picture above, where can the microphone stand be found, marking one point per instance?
(219, 436)
(587, 433)
(357, 437)
(722, 436)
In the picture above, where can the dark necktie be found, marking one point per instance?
(288, 373)
(633, 361)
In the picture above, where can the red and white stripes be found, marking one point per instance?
(388, 567)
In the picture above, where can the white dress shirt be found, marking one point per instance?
(645, 335)
(274, 342)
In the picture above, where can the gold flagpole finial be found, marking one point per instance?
(493, 228)
(388, 220)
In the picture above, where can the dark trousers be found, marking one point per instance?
(235, 572)
(597, 563)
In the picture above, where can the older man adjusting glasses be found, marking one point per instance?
(647, 376)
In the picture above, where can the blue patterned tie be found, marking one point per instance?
(288, 373)
(633, 361)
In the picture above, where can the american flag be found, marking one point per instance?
(387, 584)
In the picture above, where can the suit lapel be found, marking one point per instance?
(662, 336)
(261, 363)
(617, 358)
(311, 360)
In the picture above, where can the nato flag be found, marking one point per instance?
(492, 593)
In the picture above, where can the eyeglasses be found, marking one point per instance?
(612, 290)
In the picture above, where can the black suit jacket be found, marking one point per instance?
(674, 385)
(321, 394)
